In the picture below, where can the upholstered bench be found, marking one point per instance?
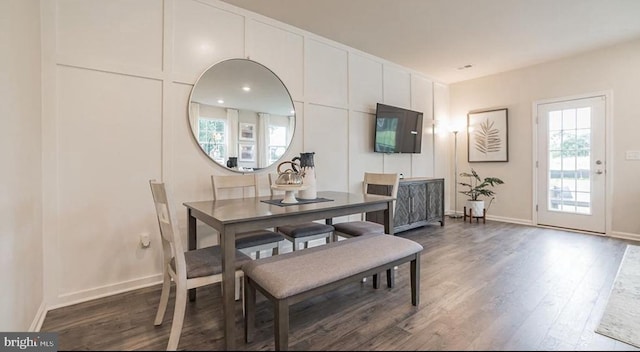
(292, 277)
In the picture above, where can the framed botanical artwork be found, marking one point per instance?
(247, 132)
(488, 136)
(247, 152)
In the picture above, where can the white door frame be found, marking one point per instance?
(608, 121)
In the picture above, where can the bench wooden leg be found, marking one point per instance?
(281, 324)
(415, 280)
(391, 277)
(376, 281)
(249, 309)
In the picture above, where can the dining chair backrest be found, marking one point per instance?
(230, 183)
(171, 244)
(391, 180)
(272, 180)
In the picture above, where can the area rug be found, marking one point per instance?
(621, 318)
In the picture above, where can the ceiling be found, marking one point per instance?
(440, 37)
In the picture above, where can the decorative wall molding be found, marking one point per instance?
(184, 51)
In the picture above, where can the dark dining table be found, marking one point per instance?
(233, 216)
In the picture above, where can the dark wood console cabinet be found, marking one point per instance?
(420, 201)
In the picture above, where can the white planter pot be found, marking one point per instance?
(477, 206)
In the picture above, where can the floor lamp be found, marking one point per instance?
(455, 214)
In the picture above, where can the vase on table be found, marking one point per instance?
(308, 169)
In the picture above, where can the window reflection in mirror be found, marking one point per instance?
(241, 110)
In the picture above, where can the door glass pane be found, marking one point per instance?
(569, 160)
(555, 140)
(555, 120)
(569, 119)
(583, 118)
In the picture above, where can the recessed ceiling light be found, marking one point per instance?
(465, 67)
(246, 88)
(220, 101)
(293, 111)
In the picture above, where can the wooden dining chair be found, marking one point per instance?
(361, 228)
(190, 269)
(251, 242)
(305, 232)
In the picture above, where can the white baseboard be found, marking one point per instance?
(104, 291)
(625, 235)
(510, 220)
(36, 324)
(498, 218)
(615, 234)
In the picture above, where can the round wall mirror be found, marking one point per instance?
(241, 115)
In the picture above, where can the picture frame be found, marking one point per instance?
(247, 132)
(247, 152)
(488, 136)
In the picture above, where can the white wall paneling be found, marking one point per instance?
(109, 147)
(116, 114)
(397, 86)
(326, 134)
(281, 51)
(326, 80)
(361, 156)
(204, 35)
(422, 95)
(117, 33)
(422, 100)
(443, 154)
(365, 83)
(400, 163)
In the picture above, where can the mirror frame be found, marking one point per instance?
(193, 133)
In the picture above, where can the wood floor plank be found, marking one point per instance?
(492, 286)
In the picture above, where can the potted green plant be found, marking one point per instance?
(478, 187)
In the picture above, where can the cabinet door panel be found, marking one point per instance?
(418, 202)
(435, 202)
(403, 206)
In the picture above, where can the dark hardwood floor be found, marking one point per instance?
(493, 286)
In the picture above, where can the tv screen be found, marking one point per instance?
(398, 130)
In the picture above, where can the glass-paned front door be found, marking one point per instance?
(571, 151)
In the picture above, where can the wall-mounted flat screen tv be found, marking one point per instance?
(398, 130)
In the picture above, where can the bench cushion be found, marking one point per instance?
(288, 274)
